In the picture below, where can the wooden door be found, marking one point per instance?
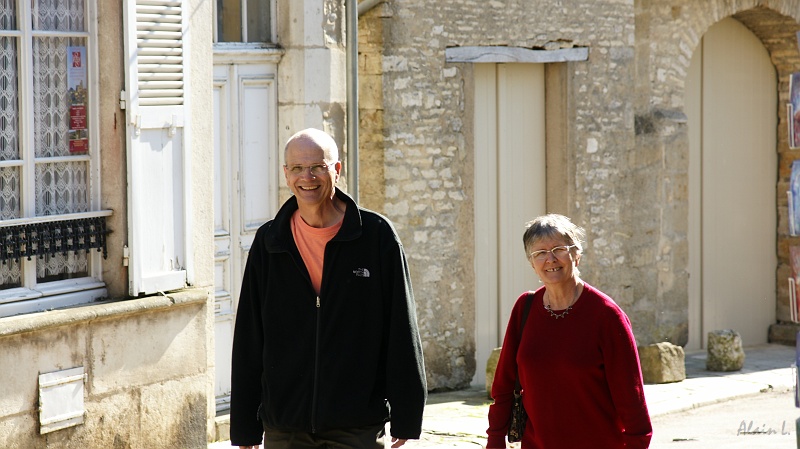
(732, 109)
(246, 174)
(509, 191)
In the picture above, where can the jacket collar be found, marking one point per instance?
(280, 232)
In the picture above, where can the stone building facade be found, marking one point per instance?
(90, 356)
(618, 149)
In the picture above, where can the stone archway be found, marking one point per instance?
(731, 95)
(666, 37)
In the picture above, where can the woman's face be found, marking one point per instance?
(554, 267)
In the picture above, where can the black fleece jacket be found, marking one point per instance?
(345, 358)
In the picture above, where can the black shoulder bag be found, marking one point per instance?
(518, 415)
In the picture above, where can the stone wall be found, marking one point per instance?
(312, 74)
(626, 141)
(667, 34)
(427, 147)
(146, 373)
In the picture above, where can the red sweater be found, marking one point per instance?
(580, 376)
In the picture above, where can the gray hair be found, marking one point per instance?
(550, 226)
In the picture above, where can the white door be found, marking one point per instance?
(245, 185)
(509, 191)
(731, 95)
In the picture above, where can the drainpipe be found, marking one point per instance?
(351, 16)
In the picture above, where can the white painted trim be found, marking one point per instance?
(162, 282)
(51, 218)
(30, 303)
(514, 54)
(62, 34)
(188, 149)
(50, 289)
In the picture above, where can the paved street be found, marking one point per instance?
(765, 421)
(708, 410)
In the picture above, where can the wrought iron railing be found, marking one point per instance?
(52, 237)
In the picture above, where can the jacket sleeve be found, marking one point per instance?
(247, 358)
(405, 368)
(505, 379)
(624, 376)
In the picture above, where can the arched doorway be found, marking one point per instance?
(731, 104)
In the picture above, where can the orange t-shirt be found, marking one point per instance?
(311, 243)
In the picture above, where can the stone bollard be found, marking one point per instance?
(662, 363)
(725, 351)
(491, 367)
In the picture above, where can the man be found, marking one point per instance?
(326, 340)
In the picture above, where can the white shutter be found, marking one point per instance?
(157, 160)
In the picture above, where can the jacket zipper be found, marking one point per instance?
(316, 373)
(316, 357)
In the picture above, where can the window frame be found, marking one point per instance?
(34, 295)
(273, 10)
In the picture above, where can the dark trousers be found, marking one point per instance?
(367, 437)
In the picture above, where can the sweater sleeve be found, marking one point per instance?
(246, 358)
(405, 368)
(624, 376)
(505, 379)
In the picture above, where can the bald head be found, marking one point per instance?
(317, 138)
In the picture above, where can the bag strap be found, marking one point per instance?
(525, 310)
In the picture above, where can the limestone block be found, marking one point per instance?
(491, 367)
(54, 349)
(21, 431)
(662, 363)
(174, 412)
(145, 348)
(725, 351)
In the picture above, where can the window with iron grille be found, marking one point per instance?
(49, 218)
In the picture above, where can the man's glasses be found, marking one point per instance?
(559, 251)
(316, 170)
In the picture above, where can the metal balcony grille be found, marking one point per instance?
(37, 239)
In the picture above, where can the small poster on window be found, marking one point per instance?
(76, 83)
(793, 111)
(794, 285)
(794, 199)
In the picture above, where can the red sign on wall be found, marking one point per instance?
(76, 80)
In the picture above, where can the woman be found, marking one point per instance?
(577, 360)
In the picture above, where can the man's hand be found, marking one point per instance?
(397, 442)
(249, 447)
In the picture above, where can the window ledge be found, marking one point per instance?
(240, 53)
(31, 322)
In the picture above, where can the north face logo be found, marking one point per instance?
(361, 272)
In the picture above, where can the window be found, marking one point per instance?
(243, 21)
(48, 151)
